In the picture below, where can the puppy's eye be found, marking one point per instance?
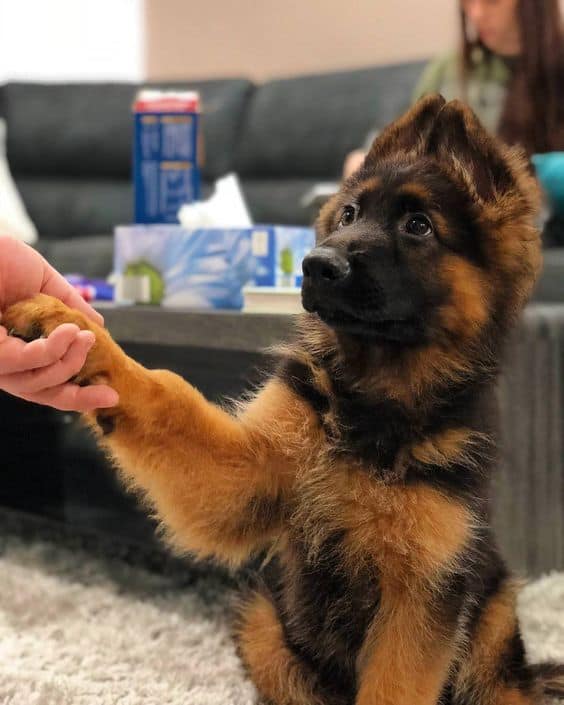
(348, 216)
(419, 225)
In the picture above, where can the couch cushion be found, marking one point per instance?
(85, 129)
(91, 255)
(66, 208)
(69, 129)
(63, 208)
(305, 126)
(278, 200)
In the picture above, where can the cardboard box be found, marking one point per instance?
(205, 267)
(165, 154)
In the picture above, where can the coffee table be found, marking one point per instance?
(529, 488)
(222, 353)
(214, 330)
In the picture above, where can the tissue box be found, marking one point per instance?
(165, 154)
(205, 267)
(174, 266)
(279, 251)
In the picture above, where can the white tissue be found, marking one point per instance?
(226, 208)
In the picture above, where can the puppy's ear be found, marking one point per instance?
(409, 132)
(459, 140)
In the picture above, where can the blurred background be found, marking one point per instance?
(287, 92)
(72, 41)
(169, 157)
(60, 40)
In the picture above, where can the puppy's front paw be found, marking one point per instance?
(39, 316)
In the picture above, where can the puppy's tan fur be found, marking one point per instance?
(374, 598)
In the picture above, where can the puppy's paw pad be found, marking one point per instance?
(39, 316)
(31, 332)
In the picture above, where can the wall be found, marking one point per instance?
(71, 40)
(191, 39)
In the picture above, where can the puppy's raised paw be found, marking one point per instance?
(39, 316)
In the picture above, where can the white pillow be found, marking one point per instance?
(14, 219)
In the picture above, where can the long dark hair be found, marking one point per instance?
(533, 114)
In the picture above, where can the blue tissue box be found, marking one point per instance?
(279, 251)
(205, 267)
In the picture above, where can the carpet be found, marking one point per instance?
(82, 629)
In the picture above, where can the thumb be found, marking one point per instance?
(56, 285)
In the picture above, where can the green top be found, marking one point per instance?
(486, 85)
(485, 93)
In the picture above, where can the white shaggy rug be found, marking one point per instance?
(79, 629)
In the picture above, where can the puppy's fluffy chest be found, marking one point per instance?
(352, 548)
(400, 531)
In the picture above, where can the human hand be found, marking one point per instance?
(24, 273)
(39, 371)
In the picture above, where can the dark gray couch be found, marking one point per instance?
(69, 148)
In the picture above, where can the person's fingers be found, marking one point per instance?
(3, 334)
(71, 397)
(34, 381)
(56, 285)
(18, 356)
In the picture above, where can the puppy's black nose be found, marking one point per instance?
(325, 265)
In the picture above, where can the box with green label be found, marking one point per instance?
(206, 267)
(279, 251)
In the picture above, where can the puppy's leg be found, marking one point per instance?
(220, 484)
(407, 655)
(279, 675)
(494, 672)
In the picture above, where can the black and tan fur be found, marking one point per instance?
(363, 465)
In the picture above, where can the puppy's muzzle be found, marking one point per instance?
(325, 267)
(326, 273)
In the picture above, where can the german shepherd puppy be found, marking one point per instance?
(363, 464)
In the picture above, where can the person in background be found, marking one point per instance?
(510, 70)
(39, 371)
